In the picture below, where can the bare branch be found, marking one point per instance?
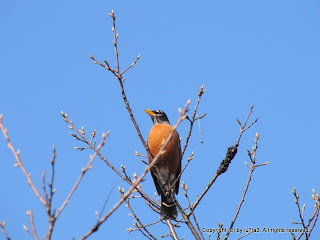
(187, 220)
(52, 190)
(220, 225)
(299, 210)
(315, 215)
(115, 40)
(150, 224)
(50, 214)
(243, 127)
(132, 64)
(193, 118)
(140, 226)
(3, 223)
(313, 218)
(19, 162)
(185, 188)
(105, 202)
(140, 155)
(33, 233)
(244, 236)
(184, 168)
(172, 231)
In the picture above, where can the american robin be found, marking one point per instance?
(168, 165)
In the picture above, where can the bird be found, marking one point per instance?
(168, 166)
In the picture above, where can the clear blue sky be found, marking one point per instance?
(244, 52)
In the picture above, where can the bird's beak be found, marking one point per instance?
(150, 112)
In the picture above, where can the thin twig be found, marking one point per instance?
(243, 127)
(314, 216)
(185, 188)
(140, 155)
(147, 225)
(172, 231)
(315, 220)
(187, 220)
(153, 207)
(33, 233)
(3, 226)
(53, 160)
(193, 118)
(105, 202)
(50, 214)
(44, 186)
(184, 168)
(140, 226)
(19, 162)
(135, 61)
(299, 211)
(220, 225)
(244, 236)
(115, 40)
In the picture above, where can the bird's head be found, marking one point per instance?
(158, 116)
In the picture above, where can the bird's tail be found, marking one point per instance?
(168, 209)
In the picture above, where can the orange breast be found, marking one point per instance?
(170, 159)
